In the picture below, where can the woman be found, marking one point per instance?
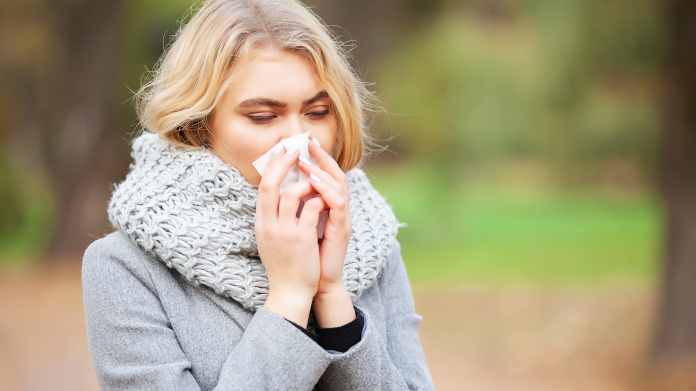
(215, 279)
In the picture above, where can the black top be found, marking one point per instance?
(338, 339)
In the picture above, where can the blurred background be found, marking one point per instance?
(542, 153)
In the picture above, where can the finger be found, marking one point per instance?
(277, 168)
(290, 200)
(337, 203)
(326, 162)
(309, 218)
(307, 167)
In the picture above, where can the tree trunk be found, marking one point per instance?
(372, 25)
(80, 139)
(674, 350)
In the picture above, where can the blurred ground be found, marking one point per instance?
(535, 339)
(475, 338)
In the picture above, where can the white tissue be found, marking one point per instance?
(301, 142)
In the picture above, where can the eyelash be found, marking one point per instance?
(256, 118)
(319, 113)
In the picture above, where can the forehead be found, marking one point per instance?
(273, 73)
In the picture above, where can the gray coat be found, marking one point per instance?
(150, 329)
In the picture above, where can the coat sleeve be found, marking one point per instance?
(133, 346)
(376, 363)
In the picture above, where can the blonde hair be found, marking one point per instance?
(199, 65)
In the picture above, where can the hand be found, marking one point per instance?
(288, 244)
(332, 305)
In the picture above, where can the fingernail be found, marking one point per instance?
(305, 161)
(278, 149)
(316, 142)
(314, 177)
(291, 149)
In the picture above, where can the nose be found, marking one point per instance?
(295, 126)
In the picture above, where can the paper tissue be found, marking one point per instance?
(300, 142)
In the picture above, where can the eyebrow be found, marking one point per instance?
(253, 102)
(262, 102)
(320, 95)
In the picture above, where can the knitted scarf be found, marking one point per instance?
(196, 214)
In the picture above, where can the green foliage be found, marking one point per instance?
(565, 82)
(484, 234)
(27, 214)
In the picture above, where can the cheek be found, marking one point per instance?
(327, 138)
(234, 142)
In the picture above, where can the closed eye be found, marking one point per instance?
(261, 118)
(318, 114)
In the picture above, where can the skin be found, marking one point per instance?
(276, 95)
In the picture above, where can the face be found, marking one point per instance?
(275, 95)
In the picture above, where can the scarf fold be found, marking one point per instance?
(196, 214)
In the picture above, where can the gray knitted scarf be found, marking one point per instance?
(196, 214)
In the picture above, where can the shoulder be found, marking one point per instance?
(113, 260)
(114, 244)
(115, 247)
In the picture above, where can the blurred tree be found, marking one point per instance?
(676, 328)
(373, 25)
(566, 87)
(64, 70)
(479, 81)
(79, 134)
